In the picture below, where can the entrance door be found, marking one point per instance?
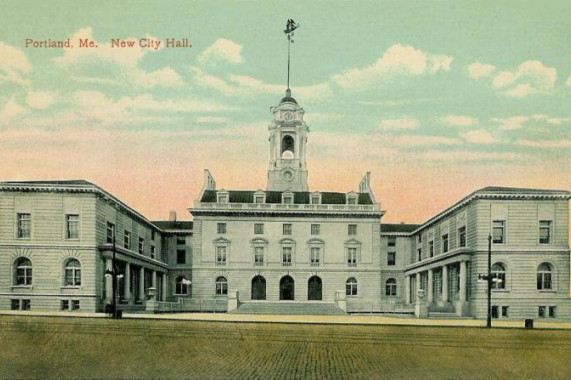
(258, 288)
(314, 289)
(286, 288)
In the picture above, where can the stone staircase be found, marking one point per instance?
(288, 308)
(443, 315)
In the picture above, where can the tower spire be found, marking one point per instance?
(290, 27)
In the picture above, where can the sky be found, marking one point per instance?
(435, 98)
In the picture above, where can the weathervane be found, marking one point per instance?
(290, 27)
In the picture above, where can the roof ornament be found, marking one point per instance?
(291, 26)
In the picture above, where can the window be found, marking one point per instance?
(127, 240)
(24, 226)
(499, 276)
(444, 243)
(110, 232)
(505, 311)
(259, 198)
(419, 254)
(495, 311)
(315, 253)
(544, 277)
(431, 248)
(351, 199)
(391, 258)
(181, 256)
(286, 256)
(552, 311)
(541, 311)
(352, 256)
(64, 305)
(419, 238)
(351, 287)
(23, 272)
(287, 199)
(74, 304)
(152, 251)
(544, 231)
(392, 241)
(221, 227)
(221, 255)
(315, 229)
(221, 286)
(258, 256)
(352, 229)
(287, 229)
(25, 304)
(462, 236)
(72, 273)
(15, 305)
(498, 230)
(181, 286)
(72, 226)
(180, 240)
(391, 287)
(258, 228)
(152, 234)
(222, 197)
(141, 245)
(315, 200)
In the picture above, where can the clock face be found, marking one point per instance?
(287, 175)
(288, 116)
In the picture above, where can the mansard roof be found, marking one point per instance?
(299, 197)
(171, 226)
(398, 228)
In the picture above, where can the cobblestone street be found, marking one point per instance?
(40, 347)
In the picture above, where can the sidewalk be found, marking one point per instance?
(308, 319)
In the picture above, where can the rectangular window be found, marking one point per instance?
(141, 245)
(72, 226)
(544, 231)
(24, 226)
(288, 199)
(352, 257)
(15, 305)
(552, 311)
(498, 230)
(26, 304)
(74, 304)
(505, 311)
(152, 234)
(127, 240)
(392, 241)
(180, 240)
(220, 255)
(181, 256)
(495, 311)
(391, 258)
(287, 229)
(258, 199)
(315, 199)
(444, 243)
(541, 311)
(259, 256)
(110, 232)
(152, 251)
(352, 229)
(64, 305)
(419, 238)
(315, 229)
(315, 253)
(352, 200)
(222, 198)
(419, 254)
(462, 236)
(258, 228)
(431, 248)
(221, 228)
(286, 256)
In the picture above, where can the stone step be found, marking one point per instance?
(442, 315)
(289, 308)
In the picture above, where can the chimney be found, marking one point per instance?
(172, 216)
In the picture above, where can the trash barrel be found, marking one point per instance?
(529, 323)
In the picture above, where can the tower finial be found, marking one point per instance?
(290, 27)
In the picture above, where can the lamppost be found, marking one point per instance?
(114, 276)
(490, 279)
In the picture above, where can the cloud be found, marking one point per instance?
(11, 111)
(425, 140)
(211, 120)
(14, 65)
(530, 78)
(398, 60)
(467, 156)
(221, 51)
(126, 59)
(460, 121)
(511, 123)
(568, 82)
(405, 122)
(479, 136)
(40, 99)
(478, 70)
(547, 144)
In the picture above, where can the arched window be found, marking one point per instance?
(351, 287)
(72, 273)
(287, 146)
(181, 286)
(23, 272)
(391, 287)
(499, 276)
(544, 272)
(221, 286)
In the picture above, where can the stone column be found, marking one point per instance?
(444, 283)
(108, 280)
(430, 290)
(463, 282)
(418, 282)
(127, 282)
(407, 289)
(141, 284)
(164, 298)
(154, 282)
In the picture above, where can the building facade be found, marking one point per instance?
(59, 240)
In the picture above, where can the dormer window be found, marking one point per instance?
(222, 197)
(352, 198)
(259, 197)
(287, 198)
(315, 198)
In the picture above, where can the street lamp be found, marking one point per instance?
(490, 279)
(114, 276)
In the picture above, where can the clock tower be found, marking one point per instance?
(288, 140)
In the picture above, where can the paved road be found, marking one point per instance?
(44, 347)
